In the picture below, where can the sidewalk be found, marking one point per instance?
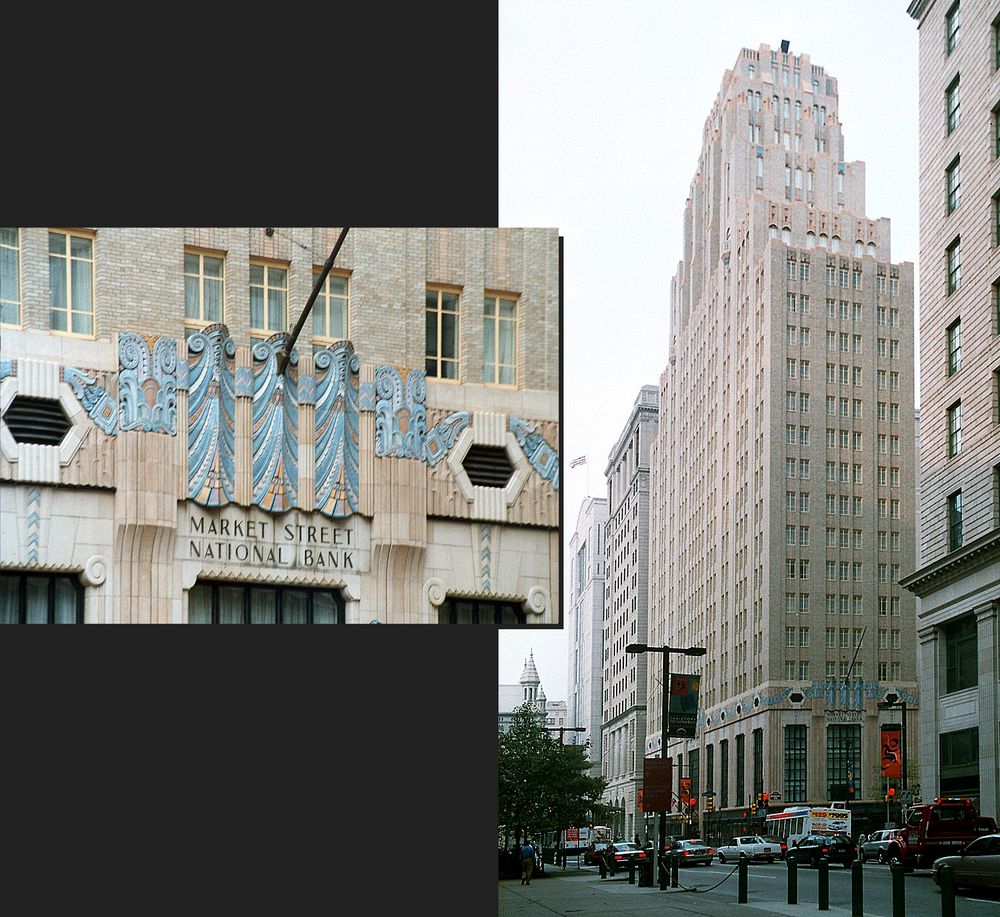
(584, 894)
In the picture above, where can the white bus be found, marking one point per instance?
(793, 823)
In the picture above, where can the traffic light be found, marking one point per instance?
(746, 814)
(892, 794)
(764, 798)
(709, 803)
(753, 808)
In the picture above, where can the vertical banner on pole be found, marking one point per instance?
(683, 712)
(657, 784)
(891, 750)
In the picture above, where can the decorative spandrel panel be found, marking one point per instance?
(400, 412)
(147, 383)
(211, 416)
(336, 393)
(275, 427)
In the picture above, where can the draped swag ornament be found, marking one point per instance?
(211, 416)
(147, 383)
(336, 395)
(275, 427)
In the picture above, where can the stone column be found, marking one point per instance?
(928, 677)
(986, 620)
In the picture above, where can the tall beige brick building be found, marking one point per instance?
(783, 468)
(626, 610)
(958, 576)
(155, 465)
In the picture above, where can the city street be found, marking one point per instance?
(712, 891)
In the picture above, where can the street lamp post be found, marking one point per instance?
(665, 714)
(562, 730)
(892, 702)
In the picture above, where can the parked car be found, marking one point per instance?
(877, 846)
(977, 865)
(694, 852)
(777, 841)
(837, 848)
(751, 846)
(592, 855)
(619, 855)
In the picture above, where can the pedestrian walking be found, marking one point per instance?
(527, 862)
(637, 844)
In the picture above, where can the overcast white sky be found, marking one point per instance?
(602, 106)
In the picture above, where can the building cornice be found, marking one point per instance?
(917, 8)
(955, 566)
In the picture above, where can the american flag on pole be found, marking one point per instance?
(580, 460)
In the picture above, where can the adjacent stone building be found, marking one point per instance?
(626, 594)
(155, 465)
(783, 468)
(585, 627)
(958, 577)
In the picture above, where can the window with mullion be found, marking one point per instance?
(10, 276)
(71, 283)
(268, 298)
(204, 280)
(955, 521)
(955, 429)
(331, 311)
(499, 339)
(954, 184)
(32, 598)
(960, 650)
(442, 333)
(954, 265)
(229, 603)
(951, 28)
(952, 105)
(954, 347)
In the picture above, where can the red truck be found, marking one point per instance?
(937, 829)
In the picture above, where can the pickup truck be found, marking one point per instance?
(751, 846)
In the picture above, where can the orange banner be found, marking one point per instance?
(892, 750)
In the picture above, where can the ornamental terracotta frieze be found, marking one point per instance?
(541, 456)
(275, 427)
(211, 416)
(147, 383)
(95, 399)
(336, 399)
(400, 412)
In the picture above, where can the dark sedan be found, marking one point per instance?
(837, 848)
(619, 856)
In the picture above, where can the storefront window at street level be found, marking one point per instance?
(32, 598)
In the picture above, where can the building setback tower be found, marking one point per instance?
(958, 579)
(783, 468)
(585, 626)
(626, 602)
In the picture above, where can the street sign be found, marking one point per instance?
(776, 795)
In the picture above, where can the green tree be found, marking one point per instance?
(543, 784)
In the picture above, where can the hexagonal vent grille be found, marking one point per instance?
(487, 466)
(41, 421)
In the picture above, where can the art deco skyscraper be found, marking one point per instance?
(783, 468)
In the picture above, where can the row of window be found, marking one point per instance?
(71, 284)
(799, 669)
(799, 535)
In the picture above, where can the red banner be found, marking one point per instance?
(892, 750)
(685, 792)
(657, 784)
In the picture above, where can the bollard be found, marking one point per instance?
(604, 868)
(674, 863)
(663, 874)
(857, 889)
(824, 884)
(631, 872)
(743, 865)
(898, 900)
(947, 882)
(793, 881)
